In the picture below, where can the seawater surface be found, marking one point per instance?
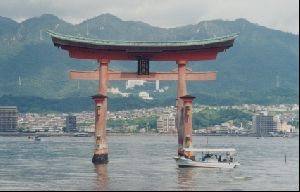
(145, 163)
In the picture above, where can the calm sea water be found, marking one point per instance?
(144, 163)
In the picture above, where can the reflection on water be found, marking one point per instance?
(102, 179)
(185, 177)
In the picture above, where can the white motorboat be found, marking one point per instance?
(211, 158)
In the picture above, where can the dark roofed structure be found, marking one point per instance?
(132, 50)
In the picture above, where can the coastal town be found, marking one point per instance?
(278, 120)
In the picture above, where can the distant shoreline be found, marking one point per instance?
(40, 134)
(48, 134)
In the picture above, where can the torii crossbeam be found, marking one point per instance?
(180, 51)
(117, 75)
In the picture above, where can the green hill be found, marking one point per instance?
(262, 60)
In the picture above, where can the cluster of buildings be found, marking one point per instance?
(264, 124)
(254, 108)
(224, 129)
(270, 120)
(33, 122)
(266, 120)
(12, 121)
(51, 122)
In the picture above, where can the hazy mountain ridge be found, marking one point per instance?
(261, 58)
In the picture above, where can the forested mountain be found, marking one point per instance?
(262, 60)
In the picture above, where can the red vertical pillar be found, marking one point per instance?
(188, 123)
(103, 76)
(181, 91)
(101, 147)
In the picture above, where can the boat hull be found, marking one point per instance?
(183, 162)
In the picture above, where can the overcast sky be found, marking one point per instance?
(276, 14)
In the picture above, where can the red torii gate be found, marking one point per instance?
(180, 51)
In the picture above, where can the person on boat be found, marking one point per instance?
(181, 152)
(230, 159)
(187, 154)
(227, 155)
(206, 156)
(219, 159)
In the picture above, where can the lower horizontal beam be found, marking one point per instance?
(164, 76)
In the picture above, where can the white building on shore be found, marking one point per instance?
(132, 83)
(145, 95)
(166, 123)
